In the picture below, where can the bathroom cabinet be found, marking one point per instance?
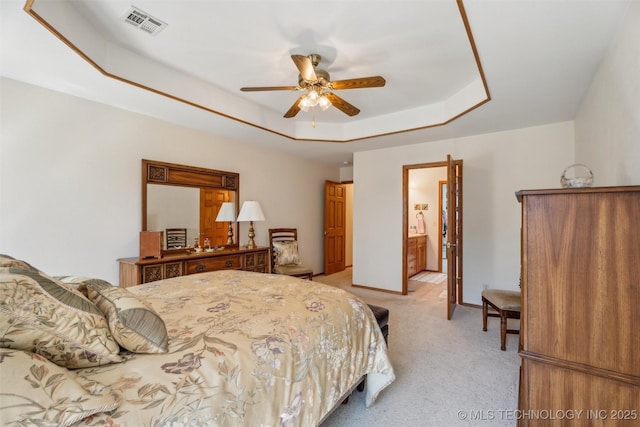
(416, 254)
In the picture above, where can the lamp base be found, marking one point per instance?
(252, 243)
(230, 235)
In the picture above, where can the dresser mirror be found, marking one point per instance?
(187, 198)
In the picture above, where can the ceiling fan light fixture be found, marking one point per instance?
(324, 103)
(319, 87)
(312, 96)
(304, 106)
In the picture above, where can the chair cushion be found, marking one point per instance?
(292, 270)
(504, 300)
(286, 253)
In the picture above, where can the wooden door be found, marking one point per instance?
(210, 202)
(335, 198)
(454, 234)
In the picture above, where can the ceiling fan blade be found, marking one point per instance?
(304, 65)
(341, 104)
(295, 109)
(265, 88)
(373, 81)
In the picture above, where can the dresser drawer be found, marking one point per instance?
(151, 273)
(229, 262)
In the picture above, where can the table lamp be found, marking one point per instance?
(251, 211)
(226, 213)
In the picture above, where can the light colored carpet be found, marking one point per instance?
(448, 373)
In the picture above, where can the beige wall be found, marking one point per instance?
(607, 139)
(496, 165)
(70, 181)
(348, 250)
(608, 123)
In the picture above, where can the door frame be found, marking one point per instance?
(405, 223)
(454, 234)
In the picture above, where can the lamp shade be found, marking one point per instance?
(251, 211)
(227, 212)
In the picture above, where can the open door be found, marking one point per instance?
(454, 234)
(335, 207)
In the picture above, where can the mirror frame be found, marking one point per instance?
(163, 173)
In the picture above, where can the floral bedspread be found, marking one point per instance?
(246, 349)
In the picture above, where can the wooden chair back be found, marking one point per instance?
(176, 237)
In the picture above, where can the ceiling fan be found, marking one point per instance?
(319, 87)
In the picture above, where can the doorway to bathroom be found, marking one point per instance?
(432, 227)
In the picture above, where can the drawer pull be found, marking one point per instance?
(228, 264)
(200, 268)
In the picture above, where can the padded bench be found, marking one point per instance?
(507, 306)
(382, 317)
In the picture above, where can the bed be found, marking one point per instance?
(226, 348)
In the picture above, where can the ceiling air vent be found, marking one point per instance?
(143, 21)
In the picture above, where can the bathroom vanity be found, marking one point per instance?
(416, 254)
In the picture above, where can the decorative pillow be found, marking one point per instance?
(37, 392)
(133, 323)
(79, 282)
(40, 315)
(9, 261)
(286, 252)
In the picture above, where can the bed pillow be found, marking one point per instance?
(79, 282)
(41, 315)
(133, 323)
(9, 261)
(41, 393)
(286, 253)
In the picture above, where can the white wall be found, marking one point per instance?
(608, 123)
(70, 181)
(348, 229)
(496, 165)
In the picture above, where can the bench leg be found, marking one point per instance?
(484, 314)
(503, 330)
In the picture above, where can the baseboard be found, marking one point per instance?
(389, 291)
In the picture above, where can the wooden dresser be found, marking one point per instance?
(135, 271)
(416, 254)
(580, 319)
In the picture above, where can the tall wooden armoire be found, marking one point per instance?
(580, 319)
